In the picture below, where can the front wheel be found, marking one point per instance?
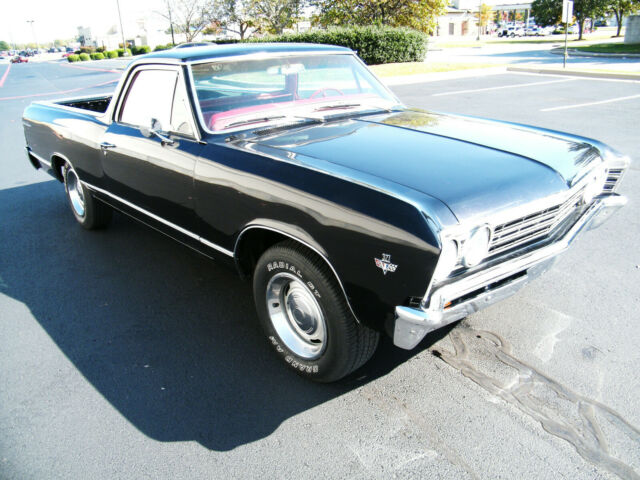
(89, 212)
(306, 317)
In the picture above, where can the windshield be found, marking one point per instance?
(241, 93)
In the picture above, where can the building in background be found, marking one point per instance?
(461, 18)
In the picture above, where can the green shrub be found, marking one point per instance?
(121, 52)
(84, 57)
(163, 47)
(73, 57)
(86, 50)
(100, 49)
(111, 54)
(141, 50)
(374, 45)
(97, 56)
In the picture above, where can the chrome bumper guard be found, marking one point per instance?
(493, 284)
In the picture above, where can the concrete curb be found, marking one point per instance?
(578, 53)
(574, 73)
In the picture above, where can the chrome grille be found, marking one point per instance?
(613, 175)
(531, 227)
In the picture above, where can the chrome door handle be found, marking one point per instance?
(106, 146)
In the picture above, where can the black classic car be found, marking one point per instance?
(352, 214)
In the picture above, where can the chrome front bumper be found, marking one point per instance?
(477, 291)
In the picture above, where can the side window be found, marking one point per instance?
(150, 96)
(181, 112)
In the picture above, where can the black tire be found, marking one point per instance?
(347, 344)
(89, 212)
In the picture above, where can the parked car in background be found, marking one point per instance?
(351, 214)
(511, 32)
(536, 31)
(194, 44)
(19, 59)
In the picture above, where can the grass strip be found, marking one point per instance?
(611, 48)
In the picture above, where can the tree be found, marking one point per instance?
(4, 46)
(419, 14)
(190, 17)
(621, 8)
(546, 12)
(276, 15)
(237, 16)
(485, 14)
(583, 9)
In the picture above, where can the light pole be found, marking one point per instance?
(479, 19)
(173, 40)
(33, 31)
(124, 44)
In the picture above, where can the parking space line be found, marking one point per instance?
(4, 77)
(600, 102)
(58, 92)
(90, 68)
(519, 85)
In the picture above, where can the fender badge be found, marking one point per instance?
(385, 264)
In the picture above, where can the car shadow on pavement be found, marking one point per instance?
(170, 339)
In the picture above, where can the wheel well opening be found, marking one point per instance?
(252, 245)
(256, 241)
(57, 164)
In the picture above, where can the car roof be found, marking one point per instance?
(231, 50)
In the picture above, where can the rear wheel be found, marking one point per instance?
(89, 212)
(306, 317)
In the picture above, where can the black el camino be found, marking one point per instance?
(352, 214)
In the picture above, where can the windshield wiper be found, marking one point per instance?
(336, 107)
(255, 120)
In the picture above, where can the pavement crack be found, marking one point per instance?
(561, 412)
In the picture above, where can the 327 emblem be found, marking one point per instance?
(385, 264)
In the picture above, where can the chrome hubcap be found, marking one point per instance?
(75, 192)
(296, 316)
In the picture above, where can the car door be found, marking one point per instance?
(149, 150)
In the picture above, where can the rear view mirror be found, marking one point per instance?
(285, 69)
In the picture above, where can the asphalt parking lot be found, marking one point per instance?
(125, 355)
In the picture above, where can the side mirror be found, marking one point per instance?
(156, 126)
(156, 129)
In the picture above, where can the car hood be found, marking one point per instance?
(474, 166)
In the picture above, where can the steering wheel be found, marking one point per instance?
(323, 90)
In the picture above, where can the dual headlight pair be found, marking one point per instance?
(468, 251)
(472, 249)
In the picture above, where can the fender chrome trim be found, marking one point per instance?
(37, 157)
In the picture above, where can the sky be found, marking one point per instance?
(60, 19)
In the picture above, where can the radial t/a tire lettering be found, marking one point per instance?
(305, 315)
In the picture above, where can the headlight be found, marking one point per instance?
(448, 259)
(476, 247)
(595, 184)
